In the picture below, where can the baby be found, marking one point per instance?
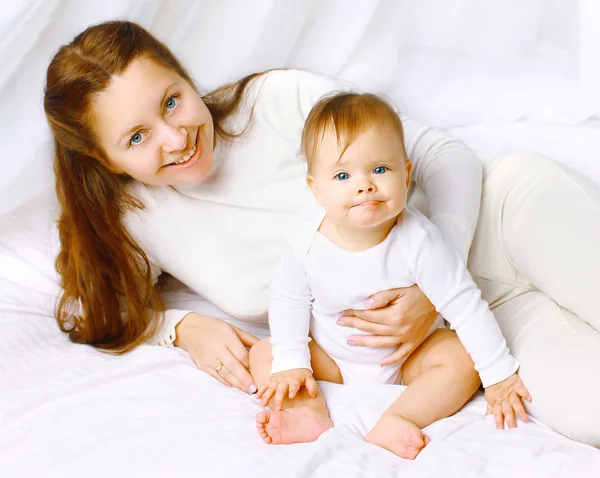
(364, 240)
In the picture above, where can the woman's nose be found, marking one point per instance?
(174, 139)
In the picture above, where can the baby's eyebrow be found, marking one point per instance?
(341, 162)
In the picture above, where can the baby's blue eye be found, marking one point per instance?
(171, 103)
(136, 138)
(342, 176)
(380, 170)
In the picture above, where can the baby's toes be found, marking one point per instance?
(262, 418)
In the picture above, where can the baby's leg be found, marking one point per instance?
(304, 418)
(441, 378)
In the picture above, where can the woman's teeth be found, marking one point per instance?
(187, 156)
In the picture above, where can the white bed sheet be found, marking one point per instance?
(68, 410)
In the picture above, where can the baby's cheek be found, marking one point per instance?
(334, 204)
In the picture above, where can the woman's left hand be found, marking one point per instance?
(395, 317)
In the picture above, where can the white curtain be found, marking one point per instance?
(447, 62)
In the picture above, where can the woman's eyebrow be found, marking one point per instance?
(136, 127)
(130, 131)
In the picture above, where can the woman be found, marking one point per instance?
(152, 178)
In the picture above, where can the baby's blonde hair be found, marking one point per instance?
(348, 114)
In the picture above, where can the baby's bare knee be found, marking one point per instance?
(261, 351)
(462, 363)
(451, 353)
(462, 359)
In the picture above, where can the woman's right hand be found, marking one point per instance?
(217, 348)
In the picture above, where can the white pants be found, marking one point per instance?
(536, 258)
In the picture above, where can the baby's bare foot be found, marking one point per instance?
(295, 425)
(398, 435)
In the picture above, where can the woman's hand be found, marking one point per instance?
(504, 400)
(217, 348)
(395, 317)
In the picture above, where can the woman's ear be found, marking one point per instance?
(313, 188)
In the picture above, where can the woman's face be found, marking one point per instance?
(154, 126)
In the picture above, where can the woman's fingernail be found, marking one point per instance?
(369, 303)
(340, 322)
(253, 389)
(351, 342)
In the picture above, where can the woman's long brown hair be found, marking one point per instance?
(109, 299)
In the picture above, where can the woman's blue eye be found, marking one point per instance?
(171, 103)
(342, 176)
(380, 170)
(136, 138)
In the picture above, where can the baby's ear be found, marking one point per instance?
(408, 171)
(312, 184)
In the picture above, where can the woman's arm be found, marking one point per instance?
(166, 334)
(451, 177)
(216, 347)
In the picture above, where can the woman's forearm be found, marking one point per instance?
(166, 335)
(451, 177)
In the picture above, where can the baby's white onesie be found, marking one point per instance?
(317, 280)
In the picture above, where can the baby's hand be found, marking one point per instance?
(504, 399)
(287, 383)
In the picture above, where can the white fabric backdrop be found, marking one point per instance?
(450, 63)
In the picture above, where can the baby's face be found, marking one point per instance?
(368, 184)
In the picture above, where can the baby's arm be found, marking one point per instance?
(289, 321)
(289, 313)
(441, 275)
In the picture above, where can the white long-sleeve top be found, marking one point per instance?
(223, 237)
(319, 277)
